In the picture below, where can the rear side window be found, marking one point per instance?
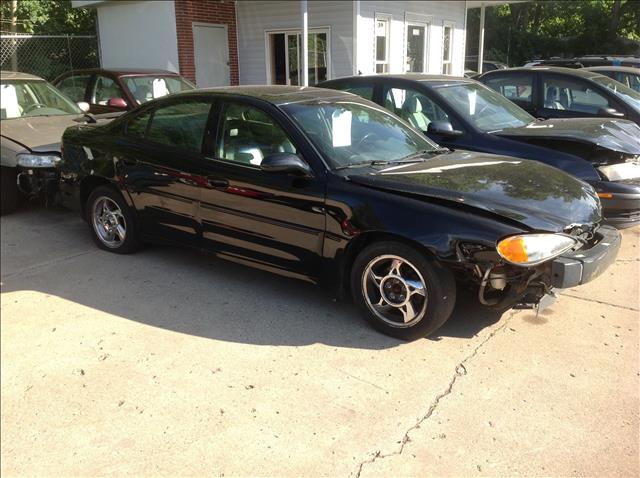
(517, 88)
(74, 87)
(364, 91)
(180, 125)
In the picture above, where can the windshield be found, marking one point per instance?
(22, 98)
(349, 132)
(147, 88)
(623, 92)
(483, 107)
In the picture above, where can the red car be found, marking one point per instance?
(121, 89)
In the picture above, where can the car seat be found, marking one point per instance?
(552, 100)
(412, 112)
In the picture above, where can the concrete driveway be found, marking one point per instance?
(168, 362)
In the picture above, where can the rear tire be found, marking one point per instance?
(404, 293)
(9, 195)
(112, 222)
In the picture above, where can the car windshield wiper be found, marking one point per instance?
(375, 162)
(413, 157)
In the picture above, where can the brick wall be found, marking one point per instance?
(206, 11)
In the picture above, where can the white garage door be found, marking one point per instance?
(211, 52)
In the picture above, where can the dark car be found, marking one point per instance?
(108, 90)
(588, 61)
(330, 188)
(462, 113)
(471, 63)
(626, 75)
(555, 92)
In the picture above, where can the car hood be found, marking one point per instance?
(38, 133)
(536, 195)
(614, 134)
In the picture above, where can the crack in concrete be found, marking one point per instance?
(600, 302)
(460, 370)
(40, 265)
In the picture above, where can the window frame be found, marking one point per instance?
(386, 17)
(294, 31)
(447, 62)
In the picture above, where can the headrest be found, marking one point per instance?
(412, 105)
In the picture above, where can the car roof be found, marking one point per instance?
(622, 69)
(125, 71)
(275, 94)
(16, 75)
(582, 72)
(423, 77)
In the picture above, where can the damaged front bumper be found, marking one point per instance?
(38, 182)
(582, 266)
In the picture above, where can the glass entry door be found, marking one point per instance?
(286, 57)
(416, 48)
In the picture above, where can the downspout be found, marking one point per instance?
(356, 20)
(305, 43)
(481, 40)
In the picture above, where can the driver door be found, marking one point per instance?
(273, 221)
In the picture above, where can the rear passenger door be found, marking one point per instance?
(273, 221)
(161, 160)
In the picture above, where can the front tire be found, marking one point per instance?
(111, 221)
(9, 195)
(405, 293)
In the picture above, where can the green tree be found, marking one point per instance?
(521, 31)
(49, 17)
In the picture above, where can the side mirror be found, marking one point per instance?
(84, 106)
(443, 128)
(117, 103)
(287, 163)
(610, 112)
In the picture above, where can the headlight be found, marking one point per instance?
(532, 249)
(37, 160)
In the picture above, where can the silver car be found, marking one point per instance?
(33, 116)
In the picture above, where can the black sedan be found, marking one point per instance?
(556, 92)
(462, 113)
(330, 188)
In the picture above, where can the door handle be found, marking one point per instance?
(218, 183)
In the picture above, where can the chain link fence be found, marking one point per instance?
(48, 55)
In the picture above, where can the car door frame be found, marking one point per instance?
(212, 216)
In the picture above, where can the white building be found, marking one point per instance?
(222, 42)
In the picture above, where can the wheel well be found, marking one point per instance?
(357, 244)
(87, 186)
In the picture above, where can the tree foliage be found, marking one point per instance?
(519, 32)
(49, 17)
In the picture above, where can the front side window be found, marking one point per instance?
(447, 48)
(349, 132)
(628, 95)
(105, 89)
(570, 94)
(483, 107)
(247, 135)
(147, 88)
(517, 87)
(382, 44)
(414, 107)
(74, 86)
(630, 80)
(22, 98)
(180, 125)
